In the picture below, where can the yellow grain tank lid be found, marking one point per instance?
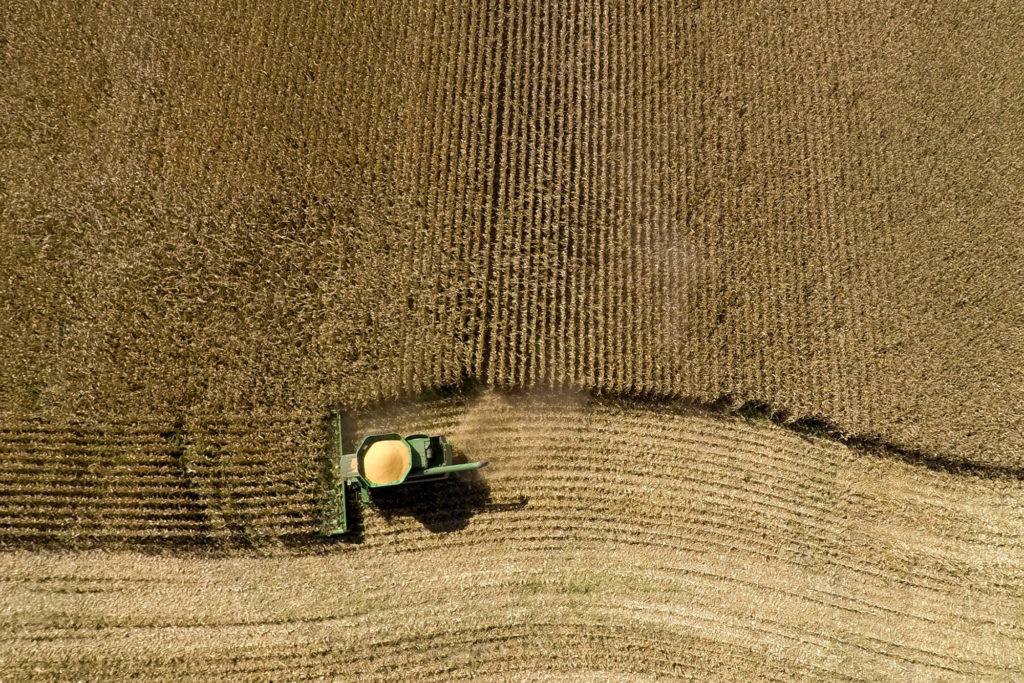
(387, 461)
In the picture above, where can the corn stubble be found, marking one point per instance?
(674, 544)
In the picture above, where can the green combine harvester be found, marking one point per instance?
(384, 460)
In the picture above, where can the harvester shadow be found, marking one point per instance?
(443, 506)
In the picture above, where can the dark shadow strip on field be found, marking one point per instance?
(822, 428)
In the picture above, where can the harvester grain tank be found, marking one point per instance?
(385, 460)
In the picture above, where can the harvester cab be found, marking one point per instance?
(384, 460)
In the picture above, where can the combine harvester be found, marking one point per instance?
(384, 460)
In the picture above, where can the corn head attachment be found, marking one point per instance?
(384, 460)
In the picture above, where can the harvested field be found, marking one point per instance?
(606, 540)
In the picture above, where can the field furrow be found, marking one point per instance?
(700, 540)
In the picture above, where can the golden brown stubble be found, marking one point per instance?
(719, 544)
